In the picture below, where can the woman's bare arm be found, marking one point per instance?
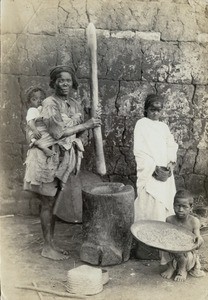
(91, 123)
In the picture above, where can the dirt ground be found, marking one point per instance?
(22, 264)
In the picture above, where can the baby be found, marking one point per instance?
(188, 262)
(35, 96)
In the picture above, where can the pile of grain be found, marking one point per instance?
(164, 236)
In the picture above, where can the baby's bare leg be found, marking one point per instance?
(48, 152)
(32, 142)
(169, 272)
(182, 261)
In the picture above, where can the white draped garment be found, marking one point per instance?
(154, 145)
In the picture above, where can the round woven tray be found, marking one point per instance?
(86, 280)
(164, 236)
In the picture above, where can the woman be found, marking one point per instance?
(155, 153)
(60, 126)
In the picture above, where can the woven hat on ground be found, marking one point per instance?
(85, 280)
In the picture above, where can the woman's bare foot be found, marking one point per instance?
(49, 252)
(168, 273)
(181, 276)
(60, 250)
(65, 252)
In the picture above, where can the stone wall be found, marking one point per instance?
(143, 46)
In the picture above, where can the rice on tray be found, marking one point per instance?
(164, 236)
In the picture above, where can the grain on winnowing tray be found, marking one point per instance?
(170, 238)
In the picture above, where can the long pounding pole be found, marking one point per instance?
(99, 153)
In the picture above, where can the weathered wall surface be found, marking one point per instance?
(143, 46)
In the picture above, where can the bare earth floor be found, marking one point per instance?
(21, 264)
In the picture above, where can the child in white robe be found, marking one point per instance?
(155, 153)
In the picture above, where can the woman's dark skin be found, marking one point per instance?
(62, 87)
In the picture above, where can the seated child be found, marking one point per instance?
(187, 262)
(35, 96)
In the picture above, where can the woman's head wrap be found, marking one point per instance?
(55, 71)
(153, 101)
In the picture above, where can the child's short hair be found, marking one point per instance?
(150, 99)
(32, 90)
(184, 194)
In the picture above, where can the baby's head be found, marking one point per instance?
(183, 203)
(35, 96)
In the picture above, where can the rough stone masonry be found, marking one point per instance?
(143, 46)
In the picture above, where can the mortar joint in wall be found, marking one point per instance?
(116, 104)
(195, 161)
